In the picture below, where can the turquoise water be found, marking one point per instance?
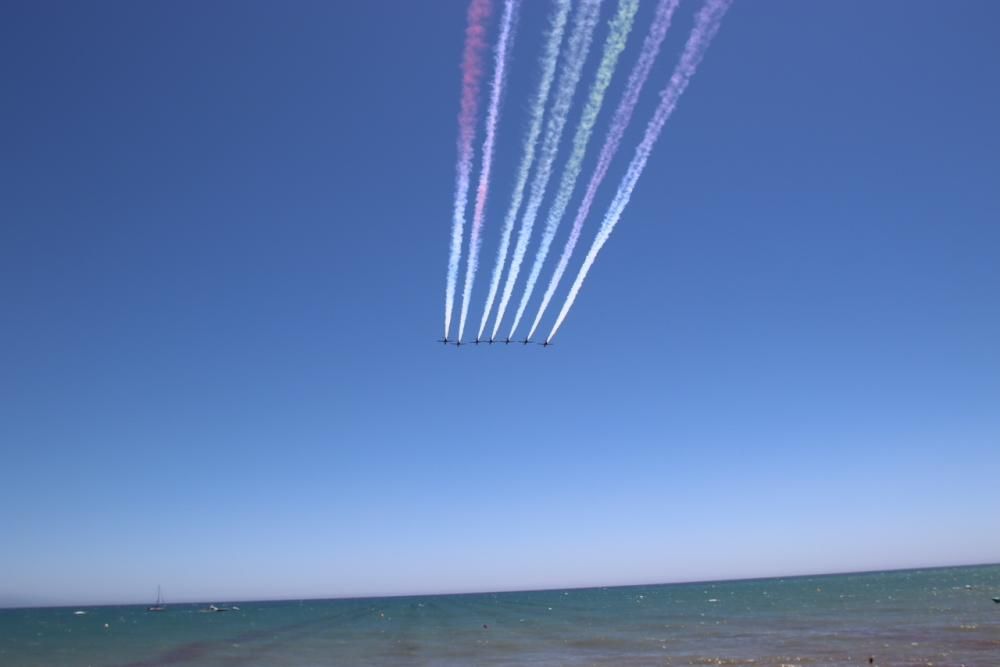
(923, 617)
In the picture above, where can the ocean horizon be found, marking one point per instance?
(379, 596)
(928, 616)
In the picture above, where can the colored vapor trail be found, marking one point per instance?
(504, 43)
(578, 46)
(548, 61)
(619, 123)
(472, 74)
(706, 26)
(621, 26)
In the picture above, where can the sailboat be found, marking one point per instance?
(159, 606)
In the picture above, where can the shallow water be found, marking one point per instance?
(921, 617)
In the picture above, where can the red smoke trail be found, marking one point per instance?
(472, 75)
(504, 43)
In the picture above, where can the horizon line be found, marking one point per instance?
(690, 582)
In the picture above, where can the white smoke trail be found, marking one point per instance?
(619, 123)
(504, 43)
(621, 25)
(706, 25)
(576, 55)
(549, 59)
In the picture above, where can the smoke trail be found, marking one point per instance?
(504, 42)
(472, 74)
(621, 25)
(619, 123)
(706, 25)
(549, 58)
(576, 55)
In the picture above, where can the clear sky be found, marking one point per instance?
(223, 240)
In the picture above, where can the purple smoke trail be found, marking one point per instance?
(618, 33)
(619, 123)
(472, 74)
(504, 43)
(706, 26)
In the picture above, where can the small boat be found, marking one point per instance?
(997, 600)
(159, 606)
(213, 609)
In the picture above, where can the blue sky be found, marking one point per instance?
(222, 257)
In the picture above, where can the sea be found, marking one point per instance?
(939, 617)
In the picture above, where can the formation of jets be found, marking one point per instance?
(477, 341)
